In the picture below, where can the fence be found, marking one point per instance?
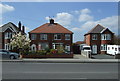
(86, 54)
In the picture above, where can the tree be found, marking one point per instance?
(117, 39)
(20, 42)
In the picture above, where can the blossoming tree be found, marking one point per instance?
(20, 42)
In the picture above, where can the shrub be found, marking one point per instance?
(53, 51)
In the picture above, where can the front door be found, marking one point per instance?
(94, 49)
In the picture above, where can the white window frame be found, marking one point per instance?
(67, 36)
(67, 47)
(8, 35)
(33, 36)
(7, 46)
(56, 36)
(105, 36)
(103, 47)
(43, 36)
(94, 36)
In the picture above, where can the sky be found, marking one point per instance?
(79, 17)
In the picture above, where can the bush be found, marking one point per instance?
(53, 51)
(41, 52)
(60, 49)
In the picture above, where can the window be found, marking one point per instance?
(33, 36)
(7, 47)
(106, 37)
(94, 37)
(43, 46)
(115, 49)
(43, 36)
(57, 37)
(67, 47)
(108, 48)
(112, 47)
(103, 47)
(8, 35)
(67, 36)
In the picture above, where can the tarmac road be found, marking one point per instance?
(24, 70)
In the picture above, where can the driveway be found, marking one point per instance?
(102, 56)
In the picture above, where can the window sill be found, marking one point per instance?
(57, 39)
(103, 50)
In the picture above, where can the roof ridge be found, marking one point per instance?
(53, 28)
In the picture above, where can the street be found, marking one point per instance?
(24, 70)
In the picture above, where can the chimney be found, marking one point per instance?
(51, 21)
(23, 29)
(19, 25)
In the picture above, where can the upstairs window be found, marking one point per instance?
(33, 36)
(94, 37)
(43, 36)
(67, 36)
(106, 37)
(57, 37)
(8, 35)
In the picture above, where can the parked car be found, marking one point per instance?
(8, 55)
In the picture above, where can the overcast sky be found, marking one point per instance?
(79, 17)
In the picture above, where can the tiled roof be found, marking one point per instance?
(96, 29)
(51, 28)
(10, 25)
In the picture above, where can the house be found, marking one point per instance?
(6, 33)
(98, 38)
(51, 35)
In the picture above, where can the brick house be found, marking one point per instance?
(6, 33)
(98, 38)
(51, 35)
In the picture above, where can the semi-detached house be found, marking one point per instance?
(51, 35)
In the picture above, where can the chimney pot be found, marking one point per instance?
(51, 21)
(19, 25)
(23, 29)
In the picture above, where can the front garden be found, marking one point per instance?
(21, 44)
(47, 53)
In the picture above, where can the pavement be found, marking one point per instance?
(103, 56)
(76, 59)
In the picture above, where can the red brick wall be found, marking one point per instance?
(87, 39)
(50, 40)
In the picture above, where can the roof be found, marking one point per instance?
(9, 25)
(98, 29)
(51, 28)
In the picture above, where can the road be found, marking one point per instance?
(24, 70)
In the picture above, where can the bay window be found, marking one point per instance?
(106, 37)
(103, 47)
